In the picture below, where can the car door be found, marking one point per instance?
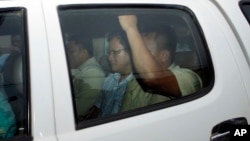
(26, 72)
(223, 96)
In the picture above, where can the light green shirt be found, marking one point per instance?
(88, 80)
(188, 81)
(135, 97)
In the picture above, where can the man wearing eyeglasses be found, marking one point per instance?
(118, 84)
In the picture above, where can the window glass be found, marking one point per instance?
(13, 81)
(245, 7)
(132, 59)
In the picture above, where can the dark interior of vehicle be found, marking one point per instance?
(12, 72)
(98, 25)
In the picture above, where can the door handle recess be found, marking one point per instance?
(221, 132)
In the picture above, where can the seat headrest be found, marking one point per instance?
(13, 71)
(187, 59)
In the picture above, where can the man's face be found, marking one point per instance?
(118, 57)
(150, 42)
(77, 55)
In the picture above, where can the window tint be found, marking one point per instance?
(132, 59)
(245, 7)
(13, 74)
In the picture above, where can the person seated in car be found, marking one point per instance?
(122, 92)
(87, 74)
(8, 124)
(122, 81)
(153, 53)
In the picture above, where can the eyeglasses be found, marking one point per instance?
(115, 52)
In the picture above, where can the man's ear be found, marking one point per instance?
(84, 51)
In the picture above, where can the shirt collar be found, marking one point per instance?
(127, 79)
(89, 61)
(173, 65)
(77, 70)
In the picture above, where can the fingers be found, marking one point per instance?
(127, 21)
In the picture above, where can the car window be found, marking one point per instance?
(132, 59)
(245, 7)
(13, 74)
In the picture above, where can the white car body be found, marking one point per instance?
(52, 119)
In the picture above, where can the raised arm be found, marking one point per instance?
(140, 53)
(145, 64)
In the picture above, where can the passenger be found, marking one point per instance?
(153, 55)
(122, 81)
(7, 118)
(87, 74)
(3, 58)
(10, 113)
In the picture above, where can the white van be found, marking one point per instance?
(38, 95)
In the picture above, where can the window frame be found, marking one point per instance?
(245, 4)
(26, 74)
(151, 108)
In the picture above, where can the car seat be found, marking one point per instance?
(13, 85)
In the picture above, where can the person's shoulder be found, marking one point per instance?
(177, 69)
(93, 65)
(92, 68)
(185, 73)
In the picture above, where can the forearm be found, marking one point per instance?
(144, 62)
(167, 86)
(143, 59)
(152, 74)
(148, 69)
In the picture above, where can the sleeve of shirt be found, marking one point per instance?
(136, 97)
(85, 96)
(94, 77)
(87, 90)
(7, 118)
(188, 81)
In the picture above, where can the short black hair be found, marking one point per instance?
(121, 37)
(83, 42)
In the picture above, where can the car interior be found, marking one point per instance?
(90, 22)
(12, 72)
